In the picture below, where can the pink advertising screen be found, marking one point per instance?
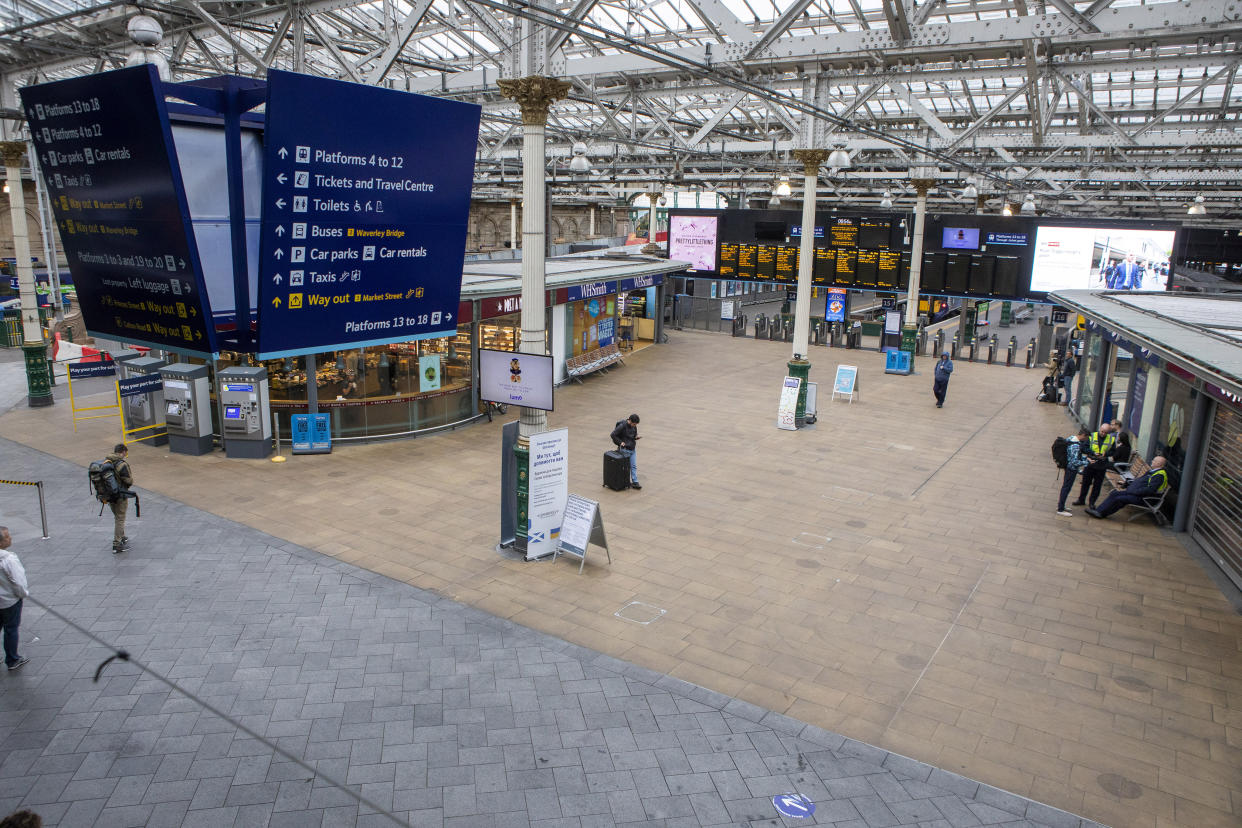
(693, 239)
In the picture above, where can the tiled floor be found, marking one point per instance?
(895, 574)
(432, 712)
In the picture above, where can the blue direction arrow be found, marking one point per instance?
(793, 805)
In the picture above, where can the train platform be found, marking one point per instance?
(894, 577)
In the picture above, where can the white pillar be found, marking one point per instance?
(31, 329)
(591, 213)
(534, 95)
(811, 160)
(921, 186)
(651, 247)
(513, 231)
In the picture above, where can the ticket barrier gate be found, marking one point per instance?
(246, 424)
(187, 408)
(1013, 350)
(992, 350)
(938, 343)
(1030, 354)
(739, 325)
(953, 349)
(142, 414)
(921, 347)
(971, 344)
(761, 327)
(834, 335)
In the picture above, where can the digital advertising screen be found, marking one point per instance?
(515, 378)
(693, 239)
(961, 238)
(1100, 258)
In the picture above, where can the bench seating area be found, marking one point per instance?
(1151, 505)
(596, 360)
(1119, 478)
(1022, 314)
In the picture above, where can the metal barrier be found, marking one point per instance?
(789, 328)
(739, 325)
(1012, 351)
(938, 343)
(993, 344)
(38, 484)
(921, 347)
(1030, 354)
(834, 335)
(761, 326)
(973, 341)
(953, 349)
(774, 330)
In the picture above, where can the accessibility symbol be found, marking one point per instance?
(795, 806)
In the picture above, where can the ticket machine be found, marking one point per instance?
(187, 408)
(144, 411)
(246, 419)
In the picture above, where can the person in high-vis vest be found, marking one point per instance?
(1099, 446)
(1148, 485)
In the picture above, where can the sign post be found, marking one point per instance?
(846, 382)
(581, 526)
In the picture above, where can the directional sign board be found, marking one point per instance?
(106, 151)
(366, 193)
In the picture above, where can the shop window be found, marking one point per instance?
(1089, 366)
(1174, 426)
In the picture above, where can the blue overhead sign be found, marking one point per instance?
(106, 151)
(366, 193)
(576, 293)
(639, 282)
(1015, 239)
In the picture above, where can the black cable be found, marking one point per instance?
(123, 655)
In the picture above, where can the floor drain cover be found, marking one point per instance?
(812, 541)
(1119, 786)
(1096, 553)
(1126, 609)
(807, 563)
(1132, 683)
(639, 613)
(911, 662)
(857, 524)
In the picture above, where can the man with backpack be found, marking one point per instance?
(1067, 454)
(625, 438)
(120, 503)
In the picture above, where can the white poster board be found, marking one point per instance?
(582, 525)
(892, 322)
(726, 309)
(515, 379)
(549, 489)
(786, 413)
(812, 398)
(846, 382)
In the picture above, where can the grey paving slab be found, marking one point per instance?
(436, 713)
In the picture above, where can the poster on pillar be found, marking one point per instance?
(549, 490)
(364, 215)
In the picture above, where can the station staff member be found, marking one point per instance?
(1153, 483)
(1099, 448)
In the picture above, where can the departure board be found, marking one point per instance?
(746, 254)
(727, 265)
(847, 264)
(1005, 281)
(888, 262)
(844, 233)
(956, 272)
(787, 264)
(867, 269)
(981, 268)
(825, 272)
(932, 278)
(765, 262)
(875, 234)
(903, 273)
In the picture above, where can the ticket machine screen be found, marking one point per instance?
(232, 412)
(174, 408)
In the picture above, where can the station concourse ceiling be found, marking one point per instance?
(1108, 108)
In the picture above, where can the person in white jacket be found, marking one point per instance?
(13, 589)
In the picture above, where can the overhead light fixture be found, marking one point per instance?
(970, 190)
(886, 200)
(1028, 205)
(579, 163)
(1197, 209)
(1006, 210)
(839, 159)
(774, 202)
(6, 186)
(783, 189)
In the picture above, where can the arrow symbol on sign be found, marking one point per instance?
(181, 264)
(282, 152)
(280, 230)
(281, 178)
(280, 254)
(193, 311)
(198, 334)
(280, 202)
(276, 302)
(276, 278)
(448, 316)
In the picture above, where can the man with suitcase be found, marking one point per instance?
(625, 438)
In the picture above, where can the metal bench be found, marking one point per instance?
(597, 360)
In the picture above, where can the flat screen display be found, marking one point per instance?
(1006, 278)
(1100, 258)
(515, 379)
(961, 238)
(174, 408)
(956, 272)
(232, 412)
(693, 239)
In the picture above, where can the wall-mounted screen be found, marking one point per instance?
(515, 378)
(932, 278)
(956, 272)
(961, 238)
(1100, 258)
(771, 230)
(1005, 282)
(693, 239)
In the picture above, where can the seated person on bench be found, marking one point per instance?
(1151, 484)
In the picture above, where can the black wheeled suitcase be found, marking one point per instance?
(616, 471)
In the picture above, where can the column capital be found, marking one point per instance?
(534, 94)
(923, 185)
(13, 151)
(654, 195)
(812, 159)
